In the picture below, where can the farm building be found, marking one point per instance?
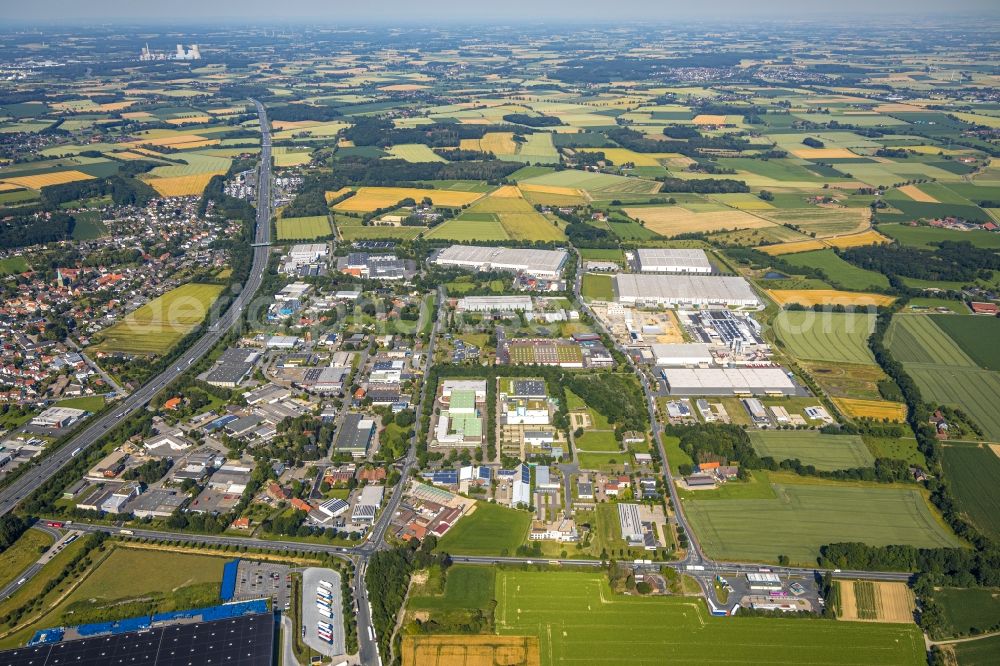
(673, 260)
(494, 304)
(540, 263)
(728, 381)
(684, 291)
(681, 354)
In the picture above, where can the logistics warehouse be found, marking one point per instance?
(540, 263)
(685, 291)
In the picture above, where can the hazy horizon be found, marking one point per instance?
(512, 11)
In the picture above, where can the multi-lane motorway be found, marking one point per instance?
(94, 431)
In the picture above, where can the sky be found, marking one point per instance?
(510, 11)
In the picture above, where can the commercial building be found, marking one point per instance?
(373, 266)
(672, 260)
(540, 263)
(728, 381)
(367, 505)
(684, 291)
(630, 524)
(355, 435)
(521, 494)
(306, 253)
(764, 581)
(681, 355)
(233, 367)
(494, 304)
(58, 417)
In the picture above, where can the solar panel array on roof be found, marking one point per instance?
(240, 641)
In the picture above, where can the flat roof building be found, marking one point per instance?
(681, 354)
(58, 417)
(728, 381)
(541, 263)
(495, 304)
(673, 260)
(355, 435)
(684, 291)
(234, 366)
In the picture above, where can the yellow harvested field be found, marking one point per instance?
(792, 247)
(917, 194)
(279, 125)
(810, 297)
(871, 409)
(707, 119)
(7, 187)
(189, 120)
(673, 220)
(369, 199)
(977, 119)
(623, 155)
(995, 448)
(127, 155)
(39, 181)
(181, 186)
(471, 650)
(869, 237)
(498, 143)
(894, 602)
(821, 153)
(507, 192)
(330, 196)
(116, 106)
(137, 115)
(553, 189)
(176, 140)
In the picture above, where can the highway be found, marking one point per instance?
(95, 430)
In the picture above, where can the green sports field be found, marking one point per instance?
(160, 324)
(974, 472)
(579, 620)
(489, 530)
(825, 452)
(835, 337)
(303, 228)
(804, 517)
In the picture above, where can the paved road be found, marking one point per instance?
(95, 430)
(36, 566)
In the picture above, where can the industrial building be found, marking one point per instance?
(373, 266)
(672, 260)
(367, 505)
(494, 304)
(355, 435)
(629, 523)
(681, 355)
(728, 381)
(684, 291)
(234, 366)
(58, 417)
(540, 263)
(306, 253)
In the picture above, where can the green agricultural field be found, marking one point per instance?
(982, 652)
(160, 324)
(839, 272)
(804, 517)
(471, 227)
(825, 452)
(966, 609)
(598, 440)
(415, 152)
(88, 226)
(835, 337)
(353, 233)
(489, 530)
(90, 403)
(12, 265)
(926, 237)
(25, 552)
(918, 339)
(467, 587)
(971, 389)
(974, 472)
(976, 335)
(904, 448)
(303, 228)
(596, 184)
(595, 287)
(578, 619)
(596, 254)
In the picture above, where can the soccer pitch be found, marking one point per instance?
(579, 620)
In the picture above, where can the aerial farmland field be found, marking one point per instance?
(825, 452)
(578, 619)
(811, 297)
(974, 470)
(836, 337)
(839, 271)
(977, 337)
(303, 228)
(160, 324)
(805, 516)
(369, 199)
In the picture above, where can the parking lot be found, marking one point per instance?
(264, 579)
(311, 615)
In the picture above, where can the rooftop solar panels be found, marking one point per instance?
(239, 641)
